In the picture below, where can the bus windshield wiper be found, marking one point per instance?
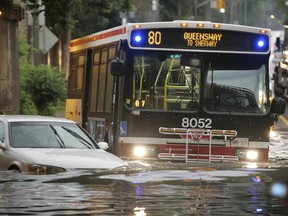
(78, 137)
(179, 100)
(224, 102)
(58, 138)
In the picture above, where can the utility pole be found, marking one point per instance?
(10, 14)
(155, 10)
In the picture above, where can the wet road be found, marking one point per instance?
(159, 188)
(156, 188)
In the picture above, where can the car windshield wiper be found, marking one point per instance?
(78, 137)
(58, 138)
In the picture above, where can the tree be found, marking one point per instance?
(284, 8)
(46, 86)
(95, 15)
(62, 15)
(41, 87)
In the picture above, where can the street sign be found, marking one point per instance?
(46, 39)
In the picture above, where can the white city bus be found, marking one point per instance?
(180, 90)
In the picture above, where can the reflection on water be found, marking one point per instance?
(148, 192)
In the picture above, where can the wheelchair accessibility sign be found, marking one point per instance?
(123, 128)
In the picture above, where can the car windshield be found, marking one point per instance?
(49, 135)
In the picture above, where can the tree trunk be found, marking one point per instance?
(66, 52)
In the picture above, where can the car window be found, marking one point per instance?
(33, 136)
(49, 135)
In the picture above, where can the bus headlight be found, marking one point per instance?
(139, 151)
(144, 151)
(250, 155)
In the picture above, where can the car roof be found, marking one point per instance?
(34, 118)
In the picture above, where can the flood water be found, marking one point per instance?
(152, 191)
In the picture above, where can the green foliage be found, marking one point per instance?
(28, 106)
(43, 85)
(89, 16)
(281, 4)
(24, 51)
(95, 15)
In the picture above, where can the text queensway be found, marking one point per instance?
(202, 39)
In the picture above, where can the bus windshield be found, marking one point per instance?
(185, 82)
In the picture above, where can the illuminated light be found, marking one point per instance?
(139, 151)
(201, 25)
(139, 103)
(260, 43)
(252, 155)
(259, 210)
(279, 190)
(256, 179)
(263, 31)
(139, 211)
(222, 10)
(184, 24)
(137, 26)
(272, 134)
(216, 25)
(137, 38)
(251, 165)
(0, 13)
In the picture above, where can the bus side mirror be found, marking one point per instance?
(276, 69)
(278, 105)
(117, 67)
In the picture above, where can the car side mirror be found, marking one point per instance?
(2, 146)
(103, 145)
(278, 105)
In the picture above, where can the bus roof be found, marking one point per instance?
(121, 32)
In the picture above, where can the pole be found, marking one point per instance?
(116, 123)
(10, 14)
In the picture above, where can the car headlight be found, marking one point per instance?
(40, 169)
(121, 168)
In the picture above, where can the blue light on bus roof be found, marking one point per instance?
(137, 38)
(260, 43)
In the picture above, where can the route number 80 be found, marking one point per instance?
(154, 37)
(196, 123)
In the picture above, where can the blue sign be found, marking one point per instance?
(123, 128)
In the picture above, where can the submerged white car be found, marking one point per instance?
(48, 145)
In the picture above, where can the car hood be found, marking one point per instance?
(71, 158)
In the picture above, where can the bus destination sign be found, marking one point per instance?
(199, 39)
